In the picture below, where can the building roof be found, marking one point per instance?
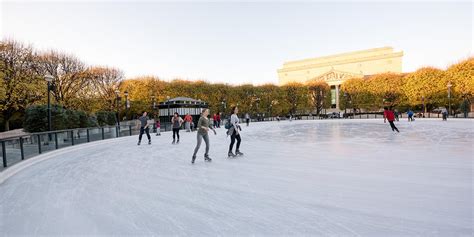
(183, 99)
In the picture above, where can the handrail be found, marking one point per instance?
(57, 131)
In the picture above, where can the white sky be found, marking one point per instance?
(238, 42)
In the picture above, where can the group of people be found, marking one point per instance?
(203, 127)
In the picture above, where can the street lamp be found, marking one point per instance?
(168, 102)
(117, 93)
(127, 104)
(345, 103)
(449, 98)
(49, 79)
(423, 101)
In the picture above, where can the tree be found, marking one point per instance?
(426, 85)
(68, 73)
(317, 90)
(20, 83)
(461, 76)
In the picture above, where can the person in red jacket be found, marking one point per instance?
(214, 119)
(218, 120)
(390, 116)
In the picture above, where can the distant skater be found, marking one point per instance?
(388, 115)
(247, 119)
(410, 115)
(158, 128)
(203, 127)
(144, 128)
(177, 122)
(234, 132)
(444, 112)
(188, 119)
(218, 120)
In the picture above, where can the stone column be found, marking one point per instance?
(337, 97)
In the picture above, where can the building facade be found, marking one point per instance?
(335, 69)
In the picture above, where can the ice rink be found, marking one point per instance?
(329, 178)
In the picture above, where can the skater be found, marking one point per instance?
(177, 122)
(234, 133)
(214, 121)
(158, 128)
(187, 122)
(444, 112)
(396, 114)
(144, 128)
(203, 128)
(388, 115)
(410, 115)
(247, 118)
(218, 120)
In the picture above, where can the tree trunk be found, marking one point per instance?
(7, 125)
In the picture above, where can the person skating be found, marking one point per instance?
(388, 115)
(158, 128)
(247, 119)
(234, 132)
(218, 120)
(214, 120)
(410, 115)
(187, 122)
(144, 128)
(176, 121)
(203, 127)
(444, 112)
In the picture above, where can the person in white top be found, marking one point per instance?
(247, 118)
(234, 132)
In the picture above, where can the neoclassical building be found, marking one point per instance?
(335, 69)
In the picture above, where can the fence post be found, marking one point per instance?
(21, 149)
(88, 137)
(4, 154)
(39, 144)
(103, 136)
(72, 137)
(56, 140)
(130, 129)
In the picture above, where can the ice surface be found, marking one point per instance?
(335, 177)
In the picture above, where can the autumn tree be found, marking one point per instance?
(317, 90)
(20, 84)
(68, 73)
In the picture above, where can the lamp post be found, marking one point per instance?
(127, 104)
(449, 98)
(224, 105)
(49, 79)
(117, 93)
(153, 105)
(423, 101)
(345, 104)
(168, 102)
